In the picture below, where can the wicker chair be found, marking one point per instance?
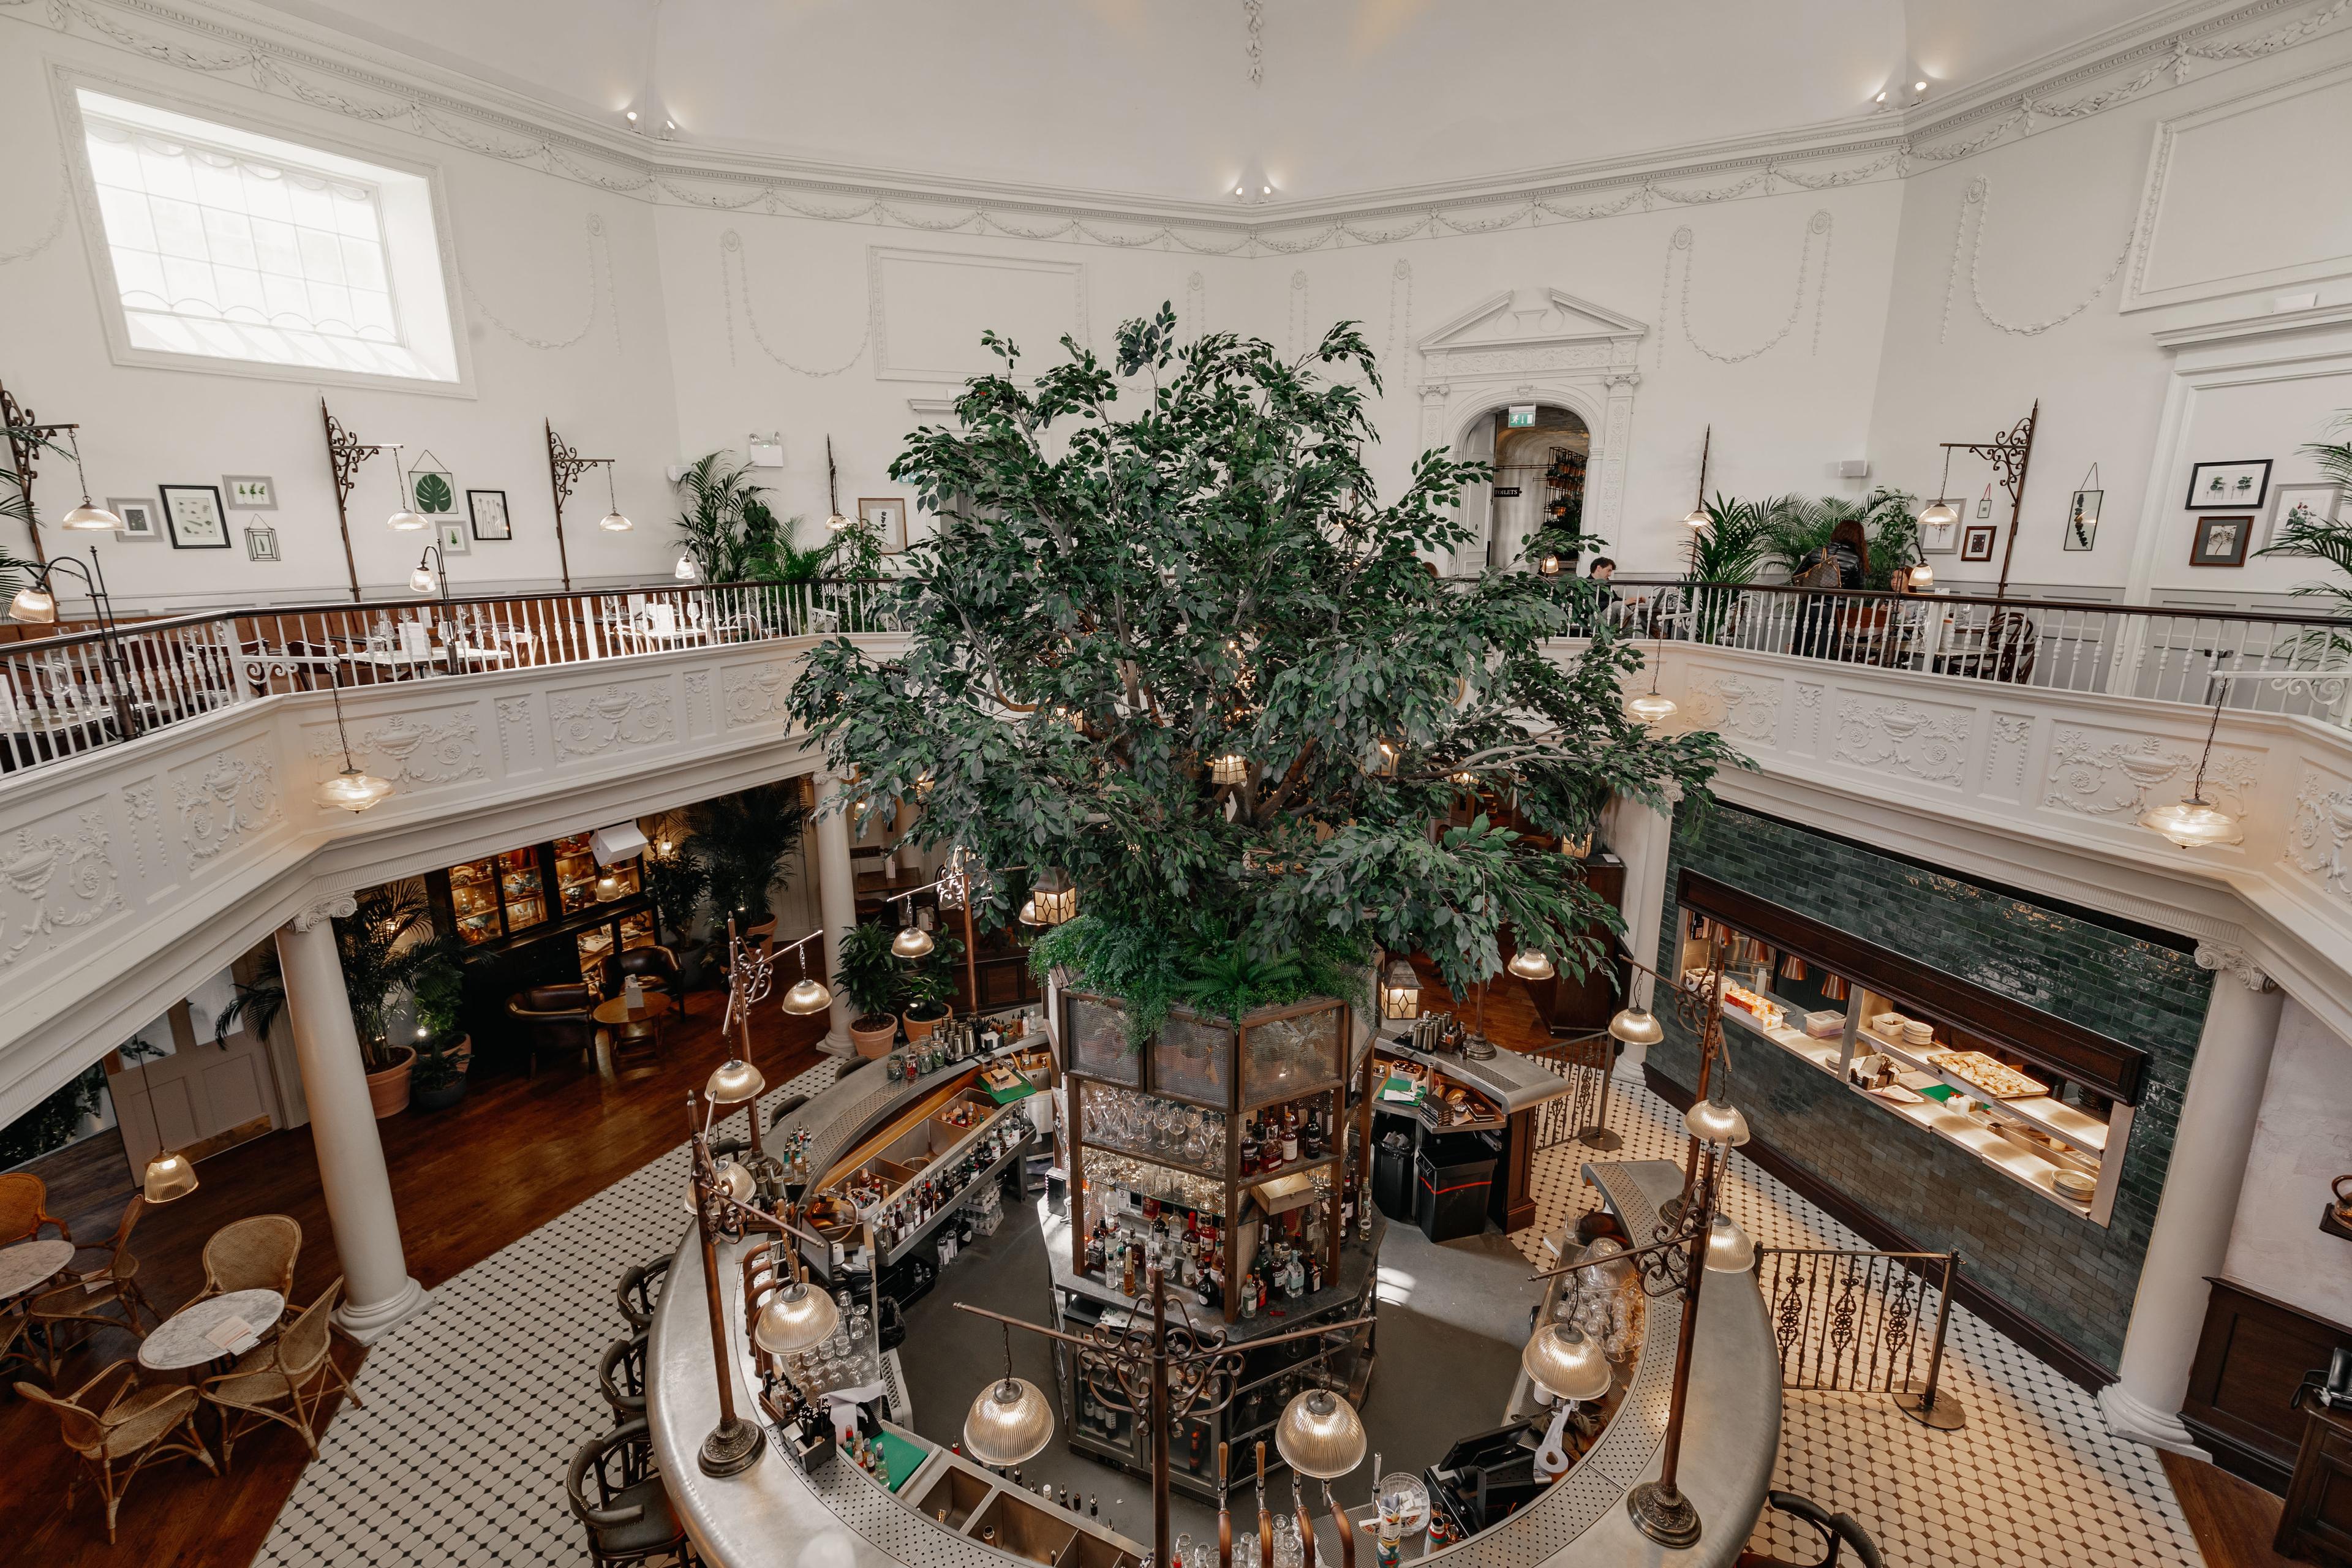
(134, 1428)
(640, 1292)
(84, 1302)
(283, 1381)
(255, 1253)
(622, 1377)
(23, 1208)
(628, 1515)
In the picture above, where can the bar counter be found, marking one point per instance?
(840, 1517)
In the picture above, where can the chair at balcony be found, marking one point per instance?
(558, 1022)
(23, 1208)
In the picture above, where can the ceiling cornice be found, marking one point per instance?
(293, 56)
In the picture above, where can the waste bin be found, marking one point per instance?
(1450, 1176)
(1392, 1148)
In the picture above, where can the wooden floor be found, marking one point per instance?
(467, 1182)
(2233, 1520)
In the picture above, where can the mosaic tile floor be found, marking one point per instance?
(473, 1409)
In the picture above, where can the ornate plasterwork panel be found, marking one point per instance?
(2012, 747)
(1925, 740)
(1742, 709)
(57, 876)
(2315, 836)
(2110, 776)
(224, 800)
(411, 749)
(756, 694)
(518, 734)
(602, 720)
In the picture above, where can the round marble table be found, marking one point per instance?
(182, 1339)
(29, 1265)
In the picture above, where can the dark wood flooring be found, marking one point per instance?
(467, 1181)
(2233, 1519)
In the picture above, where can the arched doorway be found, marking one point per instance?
(1539, 478)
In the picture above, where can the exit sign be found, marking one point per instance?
(1523, 415)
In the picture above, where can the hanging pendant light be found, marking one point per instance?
(89, 516)
(1636, 1026)
(1056, 897)
(405, 518)
(169, 1175)
(1695, 518)
(612, 522)
(1529, 965)
(734, 1081)
(349, 790)
(1729, 1249)
(1562, 1361)
(1028, 915)
(912, 940)
(1652, 708)
(2196, 823)
(1321, 1435)
(1011, 1421)
(1400, 991)
(730, 1178)
(796, 1318)
(34, 604)
(686, 571)
(1922, 576)
(1712, 1121)
(1939, 511)
(1548, 565)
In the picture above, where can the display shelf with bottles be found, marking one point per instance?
(474, 901)
(501, 910)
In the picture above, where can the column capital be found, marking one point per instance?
(333, 907)
(2223, 957)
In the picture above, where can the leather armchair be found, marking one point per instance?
(657, 969)
(557, 1019)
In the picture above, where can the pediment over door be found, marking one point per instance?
(1531, 330)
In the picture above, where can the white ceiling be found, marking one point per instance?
(1153, 98)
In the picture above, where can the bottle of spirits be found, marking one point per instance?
(1289, 1135)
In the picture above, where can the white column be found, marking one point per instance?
(2201, 1185)
(377, 1290)
(1642, 836)
(836, 891)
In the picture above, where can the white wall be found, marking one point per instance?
(2301, 1142)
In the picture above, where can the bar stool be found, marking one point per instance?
(615, 1491)
(622, 1378)
(640, 1292)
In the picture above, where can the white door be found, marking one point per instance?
(195, 1096)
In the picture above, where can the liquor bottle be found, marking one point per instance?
(1289, 1135)
(1315, 1274)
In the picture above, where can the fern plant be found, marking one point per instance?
(2308, 537)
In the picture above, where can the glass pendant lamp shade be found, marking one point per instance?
(734, 1081)
(1400, 991)
(807, 996)
(1695, 518)
(406, 521)
(35, 605)
(1938, 513)
(1056, 897)
(796, 1318)
(1548, 565)
(1009, 1424)
(837, 524)
(1321, 1435)
(1529, 965)
(420, 581)
(685, 571)
(1560, 1360)
(1232, 768)
(614, 523)
(1028, 916)
(1712, 1121)
(1728, 1249)
(1636, 1026)
(1922, 576)
(352, 790)
(912, 942)
(90, 516)
(2194, 823)
(169, 1175)
(1652, 708)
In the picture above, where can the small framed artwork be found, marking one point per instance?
(138, 517)
(2083, 519)
(250, 492)
(1976, 541)
(2306, 506)
(1984, 504)
(450, 535)
(260, 542)
(1939, 538)
(432, 488)
(887, 516)
(2221, 542)
(195, 515)
(2228, 487)
(489, 513)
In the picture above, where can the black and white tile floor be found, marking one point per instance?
(473, 1409)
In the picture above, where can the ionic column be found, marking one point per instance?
(377, 1290)
(1642, 835)
(2202, 1184)
(837, 894)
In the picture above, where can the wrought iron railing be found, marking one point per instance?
(1581, 1115)
(1853, 1321)
(2249, 660)
(81, 689)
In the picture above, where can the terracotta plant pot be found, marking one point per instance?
(874, 1035)
(919, 1028)
(388, 1089)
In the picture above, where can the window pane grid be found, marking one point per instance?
(231, 256)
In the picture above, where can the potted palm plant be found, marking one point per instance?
(740, 841)
(444, 1053)
(874, 981)
(385, 944)
(926, 988)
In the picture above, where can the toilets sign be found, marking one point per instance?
(1523, 417)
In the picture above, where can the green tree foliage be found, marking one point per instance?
(740, 841)
(2309, 537)
(388, 949)
(1123, 588)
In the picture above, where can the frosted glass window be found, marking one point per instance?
(226, 247)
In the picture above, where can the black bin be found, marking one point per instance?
(1451, 1177)
(1393, 1143)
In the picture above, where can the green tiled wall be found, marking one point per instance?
(2074, 1278)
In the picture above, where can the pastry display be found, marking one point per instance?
(1979, 1070)
(1756, 1006)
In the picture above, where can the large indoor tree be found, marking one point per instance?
(1139, 572)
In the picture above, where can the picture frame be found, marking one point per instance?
(1984, 504)
(450, 534)
(488, 512)
(2221, 541)
(886, 515)
(1939, 538)
(2082, 519)
(1976, 541)
(2238, 486)
(196, 516)
(250, 492)
(432, 488)
(141, 524)
(260, 542)
(2324, 502)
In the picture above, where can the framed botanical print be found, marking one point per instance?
(139, 520)
(2228, 487)
(2303, 505)
(488, 508)
(1939, 538)
(2221, 542)
(1976, 541)
(251, 492)
(887, 516)
(432, 488)
(2083, 519)
(195, 516)
(450, 535)
(260, 542)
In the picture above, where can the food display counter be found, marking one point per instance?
(1499, 1092)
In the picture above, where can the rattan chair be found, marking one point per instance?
(255, 1253)
(23, 1200)
(115, 1285)
(136, 1427)
(640, 1292)
(283, 1381)
(616, 1494)
(622, 1377)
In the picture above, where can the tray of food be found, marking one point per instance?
(1979, 1070)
